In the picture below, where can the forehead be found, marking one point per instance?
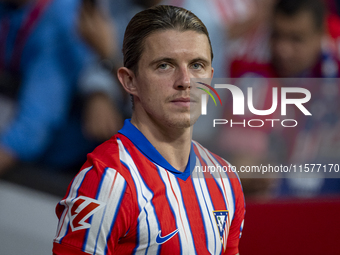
(301, 22)
(176, 44)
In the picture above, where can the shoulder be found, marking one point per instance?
(102, 174)
(201, 151)
(217, 163)
(108, 155)
(224, 174)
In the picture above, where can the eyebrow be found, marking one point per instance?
(199, 59)
(162, 59)
(171, 60)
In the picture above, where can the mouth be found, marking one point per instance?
(183, 101)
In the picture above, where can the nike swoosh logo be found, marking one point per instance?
(162, 239)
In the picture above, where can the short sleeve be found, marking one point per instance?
(95, 213)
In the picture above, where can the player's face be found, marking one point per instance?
(169, 59)
(296, 43)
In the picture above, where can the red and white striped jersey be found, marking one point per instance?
(127, 199)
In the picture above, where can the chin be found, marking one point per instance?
(180, 122)
(183, 123)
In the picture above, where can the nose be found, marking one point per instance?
(182, 78)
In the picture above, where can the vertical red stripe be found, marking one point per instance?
(113, 183)
(88, 188)
(126, 223)
(221, 163)
(126, 241)
(150, 175)
(178, 205)
(63, 220)
(60, 209)
(218, 198)
(194, 215)
(203, 164)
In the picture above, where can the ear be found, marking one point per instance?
(127, 79)
(212, 72)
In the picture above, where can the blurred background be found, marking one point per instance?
(60, 98)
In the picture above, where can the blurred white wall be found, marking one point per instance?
(27, 220)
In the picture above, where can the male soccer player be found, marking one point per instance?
(138, 193)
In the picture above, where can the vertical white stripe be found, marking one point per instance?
(222, 179)
(214, 244)
(64, 219)
(175, 198)
(102, 221)
(223, 182)
(148, 223)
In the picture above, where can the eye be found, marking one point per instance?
(163, 66)
(197, 66)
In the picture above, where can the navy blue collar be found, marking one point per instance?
(143, 144)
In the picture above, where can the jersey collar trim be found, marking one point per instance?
(143, 144)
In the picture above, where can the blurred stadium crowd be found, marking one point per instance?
(59, 95)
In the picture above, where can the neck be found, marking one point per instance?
(173, 144)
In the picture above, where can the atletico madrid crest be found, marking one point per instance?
(221, 218)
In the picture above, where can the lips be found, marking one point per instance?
(184, 100)
(181, 99)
